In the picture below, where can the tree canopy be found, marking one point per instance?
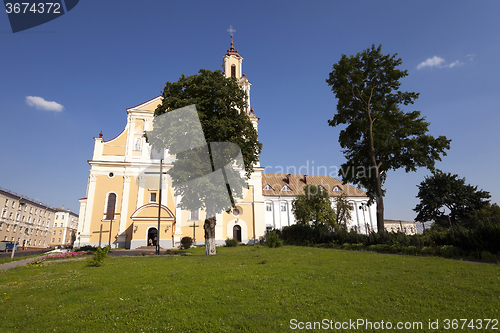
(214, 142)
(314, 206)
(379, 136)
(442, 191)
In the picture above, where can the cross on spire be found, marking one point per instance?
(231, 30)
(231, 49)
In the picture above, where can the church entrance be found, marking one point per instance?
(152, 236)
(237, 233)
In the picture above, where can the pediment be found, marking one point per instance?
(149, 212)
(148, 106)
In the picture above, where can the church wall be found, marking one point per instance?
(132, 201)
(104, 186)
(116, 146)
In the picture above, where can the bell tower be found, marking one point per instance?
(232, 67)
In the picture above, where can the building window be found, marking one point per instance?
(286, 188)
(110, 210)
(6, 202)
(57, 216)
(195, 214)
(233, 70)
(283, 206)
(1, 226)
(268, 187)
(53, 240)
(13, 204)
(269, 207)
(60, 232)
(54, 232)
(152, 197)
(59, 240)
(236, 212)
(4, 213)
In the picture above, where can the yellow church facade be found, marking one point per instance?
(122, 203)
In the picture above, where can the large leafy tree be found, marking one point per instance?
(442, 191)
(314, 206)
(379, 136)
(219, 102)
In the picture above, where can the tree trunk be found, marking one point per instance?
(378, 183)
(210, 236)
(380, 212)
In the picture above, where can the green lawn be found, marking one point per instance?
(248, 289)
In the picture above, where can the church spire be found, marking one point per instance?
(232, 50)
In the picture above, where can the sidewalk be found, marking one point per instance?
(16, 263)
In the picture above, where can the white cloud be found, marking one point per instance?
(470, 56)
(431, 62)
(453, 64)
(42, 104)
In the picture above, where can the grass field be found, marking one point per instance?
(250, 289)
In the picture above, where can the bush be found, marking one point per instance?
(88, 248)
(186, 242)
(273, 239)
(231, 242)
(99, 255)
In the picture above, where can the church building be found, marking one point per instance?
(121, 207)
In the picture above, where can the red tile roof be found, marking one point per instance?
(296, 183)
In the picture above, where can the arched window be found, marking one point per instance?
(110, 210)
(233, 70)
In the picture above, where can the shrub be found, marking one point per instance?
(99, 255)
(273, 239)
(410, 250)
(231, 242)
(88, 248)
(186, 242)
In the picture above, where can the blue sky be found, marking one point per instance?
(106, 56)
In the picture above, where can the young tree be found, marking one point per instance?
(342, 210)
(314, 206)
(227, 130)
(379, 136)
(444, 190)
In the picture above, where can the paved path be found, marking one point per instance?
(112, 253)
(16, 263)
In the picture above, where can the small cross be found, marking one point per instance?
(194, 230)
(231, 30)
(100, 234)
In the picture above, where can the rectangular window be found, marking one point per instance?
(54, 232)
(195, 214)
(283, 206)
(269, 207)
(152, 197)
(59, 240)
(60, 232)
(6, 202)
(57, 216)
(53, 240)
